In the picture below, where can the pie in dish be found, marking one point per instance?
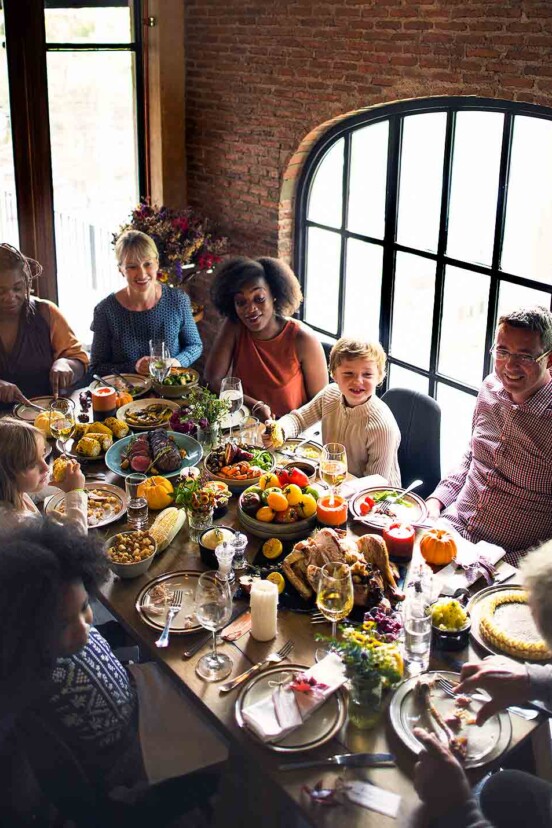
(512, 629)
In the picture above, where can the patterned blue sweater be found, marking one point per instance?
(121, 336)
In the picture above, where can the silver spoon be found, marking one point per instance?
(105, 382)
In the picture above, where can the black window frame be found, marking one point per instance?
(395, 114)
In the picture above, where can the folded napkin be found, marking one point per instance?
(455, 575)
(358, 484)
(290, 704)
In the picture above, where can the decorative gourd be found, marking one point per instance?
(158, 492)
(438, 547)
(123, 397)
(167, 525)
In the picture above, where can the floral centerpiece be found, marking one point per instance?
(202, 409)
(192, 492)
(185, 244)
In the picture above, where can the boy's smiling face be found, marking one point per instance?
(357, 379)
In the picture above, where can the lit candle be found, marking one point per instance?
(331, 510)
(104, 402)
(264, 610)
(399, 539)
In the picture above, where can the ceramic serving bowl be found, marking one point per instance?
(208, 542)
(451, 639)
(129, 570)
(175, 392)
(309, 467)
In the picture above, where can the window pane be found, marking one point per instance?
(527, 249)
(511, 297)
(399, 377)
(322, 281)
(456, 425)
(326, 192)
(413, 309)
(368, 179)
(474, 190)
(421, 180)
(107, 25)
(95, 172)
(8, 206)
(463, 325)
(363, 289)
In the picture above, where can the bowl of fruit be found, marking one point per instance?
(281, 504)
(239, 465)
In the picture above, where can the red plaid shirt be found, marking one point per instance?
(502, 490)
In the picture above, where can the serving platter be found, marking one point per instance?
(318, 729)
(194, 453)
(184, 621)
(139, 405)
(54, 503)
(67, 447)
(476, 606)
(24, 412)
(415, 512)
(485, 743)
(309, 451)
(141, 384)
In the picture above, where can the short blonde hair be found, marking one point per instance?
(135, 243)
(354, 349)
(536, 572)
(19, 443)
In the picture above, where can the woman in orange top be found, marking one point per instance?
(279, 360)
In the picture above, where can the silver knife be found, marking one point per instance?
(201, 642)
(346, 760)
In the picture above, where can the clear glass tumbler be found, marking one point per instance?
(137, 507)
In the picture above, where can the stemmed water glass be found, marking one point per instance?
(232, 391)
(160, 360)
(333, 465)
(62, 419)
(213, 607)
(334, 597)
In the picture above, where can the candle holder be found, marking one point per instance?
(331, 510)
(399, 539)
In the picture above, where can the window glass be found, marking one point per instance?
(474, 188)
(96, 25)
(322, 279)
(511, 297)
(527, 248)
(94, 170)
(363, 290)
(421, 180)
(400, 377)
(326, 194)
(8, 204)
(463, 326)
(413, 309)
(368, 179)
(456, 425)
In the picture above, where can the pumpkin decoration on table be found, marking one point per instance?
(123, 397)
(438, 547)
(42, 422)
(158, 492)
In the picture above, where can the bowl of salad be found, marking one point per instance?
(177, 383)
(239, 465)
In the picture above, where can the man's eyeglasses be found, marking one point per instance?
(501, 355)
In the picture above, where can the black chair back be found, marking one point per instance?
(419, 419)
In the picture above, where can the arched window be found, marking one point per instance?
(420, 223)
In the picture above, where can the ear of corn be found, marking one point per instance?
(58, 469)
(88, 447)
(118, 427)
(276, 434)
(167, 525)
(105, 440)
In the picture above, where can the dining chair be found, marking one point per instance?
(419, 419)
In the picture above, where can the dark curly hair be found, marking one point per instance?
(237, 272)
(37, 559)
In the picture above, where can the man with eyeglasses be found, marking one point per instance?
(502, 490)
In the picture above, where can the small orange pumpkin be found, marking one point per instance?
(158, 492)
(123, 397)
(438, 547)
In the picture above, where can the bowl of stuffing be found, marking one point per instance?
(131, 553)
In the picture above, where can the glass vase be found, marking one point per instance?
(198, 522)
(365, 701)
(208, 437)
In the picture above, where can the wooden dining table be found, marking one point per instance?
(268, 793)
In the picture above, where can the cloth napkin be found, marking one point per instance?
(453, 576)
(350, 487)
(285, 709)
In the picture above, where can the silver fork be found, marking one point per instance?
(448, 688)
(174, 608)
(273, 658)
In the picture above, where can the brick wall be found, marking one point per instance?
(263, 76)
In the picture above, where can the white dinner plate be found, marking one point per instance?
(141, 384)
(115, 513)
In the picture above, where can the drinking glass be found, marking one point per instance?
(333, 465)
(137, 508)
(62, 419)
(213, 607)
(232, 391)
(417, 635)
(160, 360)
(250, 432)
(334, 598)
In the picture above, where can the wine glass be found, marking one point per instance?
(334, 598)
(213, 607)
(62, 419)
(232, 391)
(160, 360)
(333, 465)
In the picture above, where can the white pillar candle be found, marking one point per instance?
(264, 610)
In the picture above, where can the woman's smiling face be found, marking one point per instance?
(254, 305)
(141, 274)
